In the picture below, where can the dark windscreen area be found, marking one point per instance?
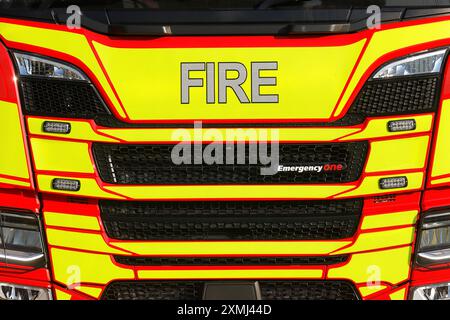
(213, 4)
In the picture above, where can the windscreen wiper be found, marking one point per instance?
(267, 4)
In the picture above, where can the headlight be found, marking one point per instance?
(18, 292)
(421, 64)
(433, 249)
(21, 243)
(431, 292)
(35, 66)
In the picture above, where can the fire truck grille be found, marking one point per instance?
(410, 95)
(193, 290)
(59, 98)
(238, 261)
(154, 165)
(231, 220)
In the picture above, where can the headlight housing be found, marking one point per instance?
(18, 292)
(431, 292)
(421, 64)
(21, 246)
(21, 241)
(53, 88)
(433, 247)
(34, 66)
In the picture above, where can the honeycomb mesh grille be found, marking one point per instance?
(347, 121)
(231, 220)
(307, 290)
(410, 95)
(238, 261)
(59, 98)
(153, 165)
(193, 290)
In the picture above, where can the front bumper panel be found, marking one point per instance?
(85, 259)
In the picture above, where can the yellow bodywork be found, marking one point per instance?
(440, 171)
(13, 164)
(142, 84)
(161, 77)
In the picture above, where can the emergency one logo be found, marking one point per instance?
(314, 168)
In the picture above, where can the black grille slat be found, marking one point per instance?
(245, 230)
(307, 290)
(399, 96)
(154, 291)
(226, 261)
(59, 98)
(153, 165)
(347, 121)
(231, 220)
(136, 209)
(193, 290)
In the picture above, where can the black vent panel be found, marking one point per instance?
(193, 290)
(307, 290)
(399, 96)
(153, 165)
(238, 261)
(59, 98)
(231, 220)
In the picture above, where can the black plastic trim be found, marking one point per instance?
(238, 261)
(125, 220)
(145, 164)
(286, 289)
(227, 22)
(347, 121)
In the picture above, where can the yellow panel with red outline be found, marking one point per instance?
(14, 163)
(440, 166)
